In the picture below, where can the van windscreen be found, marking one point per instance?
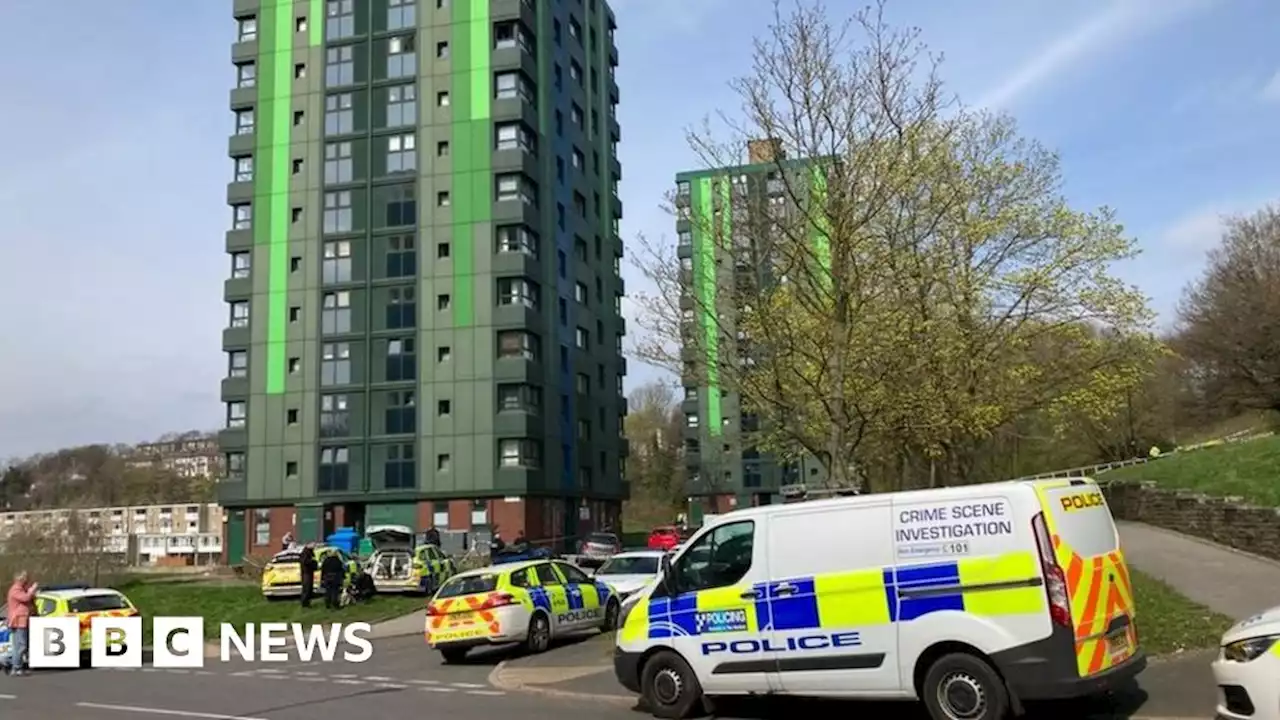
(1082, 518)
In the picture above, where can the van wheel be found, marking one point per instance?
(539, 638)
(669, 687)
(962, 687)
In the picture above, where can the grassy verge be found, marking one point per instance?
(1169, 622)
(1245, 469)
(241, 603)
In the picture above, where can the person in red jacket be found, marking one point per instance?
(18, 611)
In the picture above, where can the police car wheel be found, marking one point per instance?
(669, 687)
(539, 638)
(611, 610)
(963, 687)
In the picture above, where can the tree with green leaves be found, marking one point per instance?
(907, 280)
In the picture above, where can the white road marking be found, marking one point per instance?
(348, 682)
(178, 672)
(270, 671)
(425, 682)
(378, 678)
(148, 670)
(438, 689)
(489, 693)
(343, 677)
(204, 672)
(392, 686)
(306, 673)
(161, 711)
(466, 685)
(8, 697)
(312, 679)
(243, 673)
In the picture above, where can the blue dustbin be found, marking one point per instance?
(345, 539)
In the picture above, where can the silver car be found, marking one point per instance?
(597, 548)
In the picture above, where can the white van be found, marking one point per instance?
(973, 599)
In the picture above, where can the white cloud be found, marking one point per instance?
(1271, 91)
(1201, 230)
(1099, 34)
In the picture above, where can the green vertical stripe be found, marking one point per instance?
(704, 270)
(271, 163)
(316, 26)
(821, 228)
(470, 95)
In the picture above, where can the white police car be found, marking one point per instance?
(630, 572)
(1247, 669)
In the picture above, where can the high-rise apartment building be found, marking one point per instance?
(717, 210)
(424, 294)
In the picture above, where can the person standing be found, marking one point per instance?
(287, 541)
(18, 611)
(307, 573)
(331, 572)
(432, 536)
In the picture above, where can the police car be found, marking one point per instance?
(81, 601)
(971, 599)
(629, 572)
(1247, 668)
(528, 602)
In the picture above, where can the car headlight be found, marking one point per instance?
(628, 604)
(1247, 650)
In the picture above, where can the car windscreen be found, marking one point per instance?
(97, 603)
(468, 585)
(602, 539)
(634, 565)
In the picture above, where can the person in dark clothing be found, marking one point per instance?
(307, 568)
(433, 536)
(520, 544)
(331, 574)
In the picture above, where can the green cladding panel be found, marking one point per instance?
(471, 95)
(704, 271)
(271, 163)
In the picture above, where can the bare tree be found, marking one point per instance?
(909, 278)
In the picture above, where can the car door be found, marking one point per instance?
(557, 599)
(585, 607)
(712, 608)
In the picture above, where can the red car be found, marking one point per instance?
(664, 538)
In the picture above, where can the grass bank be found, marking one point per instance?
(1246, 469)
(241, 603)
(1169, 622)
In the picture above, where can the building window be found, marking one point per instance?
(402, 155)
(575, 72)
(578, 160)
(338, 165)
(335, 417)
(335, 314)
(340, 19)
(519, 453)
(235, 463)
(238, 363)
(582, 338)
(399, 471)
(691, 420)
(240, 264)
(584, 430)
(402, 106)
(261, 527)
(334, 469)
(401, 416)
(511, 34)
(402, 258)
(514, 136)
(402, 360)
(518, 344)
(335, 267)
(335, 364)
(339, 114)
(402, 308)
(246, 75)
(337, 212)
(518, 291)
(244, 169)
(240, 313)
(582, 383)
(519, 398)
(340, 66)
(402, 57)
(401, 14)
(513, 85)
(440, 514)
(517, 239)
(244, 122)
(580, 293)
(235, 414)
(241, 216)
(515, 186)
(247, 29)
(442, 98)
(401, 206)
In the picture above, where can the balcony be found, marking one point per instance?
(236, 337)
(241, 145)
(239, 192)
(240, 8)
(234, 388)
(239, 240)
(243, 96)
(244, 51)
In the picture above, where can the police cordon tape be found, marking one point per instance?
(117, 642)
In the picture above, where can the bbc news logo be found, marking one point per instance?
(178, 642)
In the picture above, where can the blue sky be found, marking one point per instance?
(111, 202)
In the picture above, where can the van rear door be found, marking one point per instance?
(1087, 548)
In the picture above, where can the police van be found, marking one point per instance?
(972, 599)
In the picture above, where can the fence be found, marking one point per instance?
(1093, 470)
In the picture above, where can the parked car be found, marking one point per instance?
(282, 577)
(598, 548)
(396, 565)
(79, 601)
(665, 537)
(630, 572)
(1247, 667)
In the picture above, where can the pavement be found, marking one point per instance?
(574, 681)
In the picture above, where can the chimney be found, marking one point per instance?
(764, 151)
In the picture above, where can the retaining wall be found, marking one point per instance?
(1225, 520)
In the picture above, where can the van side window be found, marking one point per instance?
(719, 559)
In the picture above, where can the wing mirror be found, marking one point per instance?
(665, 565)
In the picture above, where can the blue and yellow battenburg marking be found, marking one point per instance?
(859, 598)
